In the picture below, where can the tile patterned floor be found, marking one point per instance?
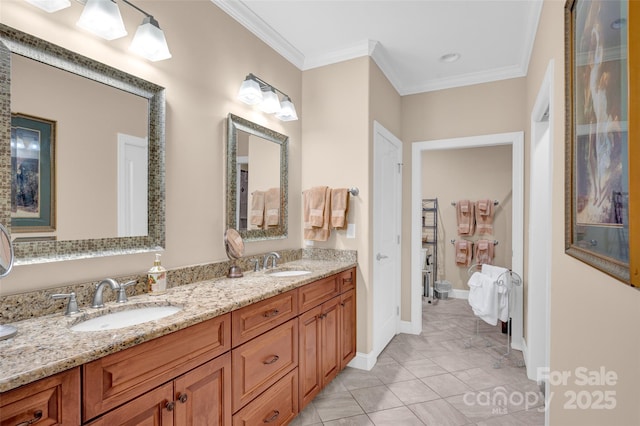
(445, 376)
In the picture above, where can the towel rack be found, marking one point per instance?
(516, 280)
(495, 243)
(495, 203)
(353, 191)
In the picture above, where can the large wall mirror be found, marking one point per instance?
(257, 186)
(104, 140)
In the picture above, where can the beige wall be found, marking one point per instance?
(472, 174)
(594, 318)
(453, 113)
(212, 54)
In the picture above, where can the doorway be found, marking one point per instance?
(516, 140)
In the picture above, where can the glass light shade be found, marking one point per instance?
(50, 5)
(287, 110)
(250, 92)
(149, 41)
(270, 102)
(102, 18)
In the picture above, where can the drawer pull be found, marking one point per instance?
(347, 280)
(272, 360)
(276, 413)
(37, 415)
(271, 313)
(170, 406)
(183, 398)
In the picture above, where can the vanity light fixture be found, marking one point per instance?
(102, 18)
(255, 91)
(50, 5)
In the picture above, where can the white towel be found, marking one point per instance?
(484, 297)
(499, 273)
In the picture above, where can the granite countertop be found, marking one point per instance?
(45, 345)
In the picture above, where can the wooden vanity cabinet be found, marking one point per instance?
(50, 401)
(327, 333)
(119, 378)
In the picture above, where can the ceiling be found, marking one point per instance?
(406, 38)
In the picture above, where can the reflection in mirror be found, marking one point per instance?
(235, 249)
(257, 186)
(6, 263)
(112, 143)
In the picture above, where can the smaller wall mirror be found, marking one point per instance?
(257, 187)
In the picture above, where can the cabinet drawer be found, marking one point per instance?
(277, 406)
(258, 364)
(347, 280)
(53, 401)
(118, 378)
(255, 319)
(314, 294)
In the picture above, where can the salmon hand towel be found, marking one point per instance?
(315, 233)
(272, 207)
(339, 207)
(484, 217)
(464, 251)
(257, 208)
(484, 252)
(466, 217)
(316, 205)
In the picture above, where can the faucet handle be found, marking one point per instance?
(72, 306)
(256, 264)
(122, 291)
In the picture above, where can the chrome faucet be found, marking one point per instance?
(97, 297)
(273, 255)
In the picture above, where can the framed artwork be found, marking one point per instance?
(32, 174)
(598, 189)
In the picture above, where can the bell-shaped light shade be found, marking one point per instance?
(102, 18)
(270, 102)
(50, 5)
(250, 92)
(287, 111)
(149, 41)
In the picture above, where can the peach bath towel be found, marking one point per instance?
(316, 205)
(464, 251)
(257, 208)
(466, 217)
(484, 217)
(339, 207)
(272, 207)
(317, 233)
(484, 252)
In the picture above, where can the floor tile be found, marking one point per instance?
(439, 412)
(376, 399)
(480, 378)
(395, 417)
(446, 385)
(307, 417)
(336, 406)
(361, 420)
(391, 373)
(413, 392)
(352, 378)
(423, 368)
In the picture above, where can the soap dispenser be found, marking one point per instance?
(157, 278)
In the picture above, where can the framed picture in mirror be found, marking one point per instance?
(32, 174)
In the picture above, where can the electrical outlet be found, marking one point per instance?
(351, 230)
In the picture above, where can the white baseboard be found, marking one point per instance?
(459, 294)
(363, 361)
(407, 327)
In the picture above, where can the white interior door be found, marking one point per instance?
(132, 186)
(387, 190)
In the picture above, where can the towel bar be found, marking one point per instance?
(495, 203)
(495, 242)
(353, 191)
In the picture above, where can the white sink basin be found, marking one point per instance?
(289, 273)
(126, 318)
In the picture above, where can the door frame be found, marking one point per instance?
(516, 140)
(378, 129)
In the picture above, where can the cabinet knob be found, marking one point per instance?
(37, 415)
(272, 360)
(170, 406)
(271, 313)
(183, 398)
(275, 415)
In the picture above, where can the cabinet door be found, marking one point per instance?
(203, 396)
(51, 401)
(310, 355)
(347, 327)
(330, 326)
(154, 408)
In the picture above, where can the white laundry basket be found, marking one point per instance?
(442, 289)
